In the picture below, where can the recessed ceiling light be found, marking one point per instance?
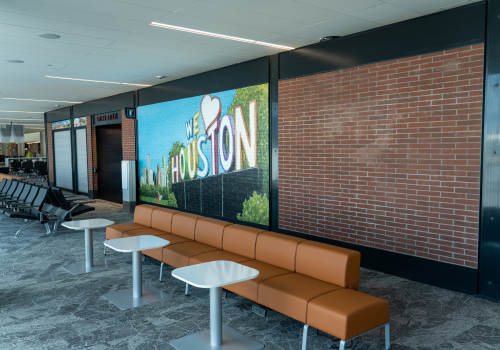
(57, 105)
(49, 36)
(21, 112)
(14, 61)
(29, 99)
(96, 81)
(222, 36)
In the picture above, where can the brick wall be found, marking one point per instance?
(386, 155)
(128, 137)
(50, 159)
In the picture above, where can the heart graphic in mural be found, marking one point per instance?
(210, 110)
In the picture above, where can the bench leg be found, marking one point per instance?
(105, 247)
(161, 271)
(387, 336)
(342, 345)
(304, 337)
(26, 226)
(187, 289)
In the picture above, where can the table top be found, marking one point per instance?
(87, 224)
(137, 243)
(215, 274)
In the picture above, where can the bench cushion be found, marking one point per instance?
(240, 240)
(142, 214)
(277, 249)
(328, 263)
(216, 255)
(161, 219)
(210, 231)
(178, 255)
(290, 294)
(116, 231)
(249, 289)
(347, 313)
(184, 224)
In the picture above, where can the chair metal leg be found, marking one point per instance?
(387, 336)
(161, 271)
(56, 225)
(342, 345)
(3, 217)
(105, 247)
(187, 289)
(26, 226)
(304, 337)
(47, 228)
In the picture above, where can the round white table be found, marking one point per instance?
(139, 295)
(215, 275)
(90, 265)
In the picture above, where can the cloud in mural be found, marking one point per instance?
(210, 110)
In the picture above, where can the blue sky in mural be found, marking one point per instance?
(162, 124)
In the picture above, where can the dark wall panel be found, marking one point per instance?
(244, 74)
(59, 114)
(444, 30)
(193, 195)
(239, 186)
(103, 105)
(211, 188)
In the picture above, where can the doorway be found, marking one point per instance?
(109, 157)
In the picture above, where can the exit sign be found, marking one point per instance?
(130, 112)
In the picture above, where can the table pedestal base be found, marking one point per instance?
(124, 299)
(232, 339)
(81, 267)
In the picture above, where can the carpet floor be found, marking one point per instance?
(42, 306)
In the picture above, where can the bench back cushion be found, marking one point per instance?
(210, 231)
(161, 219)
(277, 249)
(240, 240)
(142, 214)
(184, 224)
(329, 263)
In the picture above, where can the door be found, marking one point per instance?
(62, 159)
(81, 160)
(109, 157)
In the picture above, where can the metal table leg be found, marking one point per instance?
(216, 316)
(89, 265)
(139, 295)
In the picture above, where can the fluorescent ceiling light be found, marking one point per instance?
(96, 81)
(21, 112)
(222, 36)
(29, 99)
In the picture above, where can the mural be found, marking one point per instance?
(64, 124)
(208, 154)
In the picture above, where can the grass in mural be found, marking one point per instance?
(255, 209)
(151, 193)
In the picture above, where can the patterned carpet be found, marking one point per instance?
(44, 307)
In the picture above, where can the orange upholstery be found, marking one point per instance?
(329, 263)
(184, 224)
(216, 255)
(178, 255)
(161, 219)
(290, 294)
(277, 249)
(116, 231)
(10, 177)
(142, 214)
(240, 240)
(347, 313)
(210, 231)
(249, 289)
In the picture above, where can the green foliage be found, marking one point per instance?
(260, 93)
(255, 209)
(150, 192)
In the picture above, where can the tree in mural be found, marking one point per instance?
(255, 209)
(260, 93)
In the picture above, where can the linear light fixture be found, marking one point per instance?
(29, 99)
(96, 81)
(222, 36)
(21, 112)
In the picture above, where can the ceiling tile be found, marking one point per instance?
(427, 6)
(344, 6)
(124, 48)
(347, 24)
(170, 5)
(313, 34)
(385, 14)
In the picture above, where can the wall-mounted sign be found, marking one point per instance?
(63, 124)
(108, 118)
(77, 122)
(130, 113)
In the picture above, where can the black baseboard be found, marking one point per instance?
(129, 207)
(435, 273)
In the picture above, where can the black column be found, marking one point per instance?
(489, 238)
(74, 164)
(273, 144)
